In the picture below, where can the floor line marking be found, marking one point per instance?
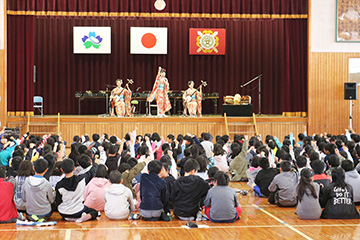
(149, 228)
(284, 223)
(68, 234)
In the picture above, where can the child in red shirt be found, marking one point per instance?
(8, 212)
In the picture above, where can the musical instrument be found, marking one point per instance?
(116, 98)
(189, 98)
(174, 96)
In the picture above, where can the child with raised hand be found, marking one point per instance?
(221, 202)
(37, 193)
(239, 165)
(118, 198)
(307, 193)
(95, 190)
(153, 193)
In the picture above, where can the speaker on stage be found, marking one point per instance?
(350, 91)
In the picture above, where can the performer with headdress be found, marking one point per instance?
(192, 100)
(120, 100)
(160, 93)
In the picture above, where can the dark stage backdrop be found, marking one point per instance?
(172, 6)
(276, 48)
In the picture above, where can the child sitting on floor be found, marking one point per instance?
(8, 213)
(253, 171)
(211, 174)
(221, 203)
(118, 198)
(153, 193)
(37, 193)
(307, 193)
(337, 198)
(70, 193)
(283, 186)
(264, 178)
(189, 192)
(95, 190)
(319, 176)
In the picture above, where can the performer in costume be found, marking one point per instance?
(192, 100)
(120, 100)
(160, 92)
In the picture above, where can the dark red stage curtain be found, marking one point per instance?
(275, 48)
(20, 62)
(172, 6)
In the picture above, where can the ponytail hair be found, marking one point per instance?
(305, 182)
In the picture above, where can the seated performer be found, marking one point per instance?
(120, 100)
(192, 100)
(160, 93)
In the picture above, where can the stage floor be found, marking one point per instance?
(259, 220)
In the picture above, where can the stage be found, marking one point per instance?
(70, 125)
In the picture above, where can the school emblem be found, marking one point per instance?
(207, 41)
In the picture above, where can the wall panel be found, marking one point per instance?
(327, 109)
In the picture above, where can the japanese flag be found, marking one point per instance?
(148, 40)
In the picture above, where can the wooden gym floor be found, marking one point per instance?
(259, 220)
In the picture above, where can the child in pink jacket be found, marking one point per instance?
(95, 190)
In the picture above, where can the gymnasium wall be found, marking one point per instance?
(2, 63)
(328, 71)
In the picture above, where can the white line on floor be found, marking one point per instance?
(282, 222)
(68, 234)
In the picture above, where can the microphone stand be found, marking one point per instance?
(252, 80)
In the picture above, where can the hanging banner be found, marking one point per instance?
(92, 40)
(148, 40)
(207, 41)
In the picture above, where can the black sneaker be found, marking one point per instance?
(164, 217)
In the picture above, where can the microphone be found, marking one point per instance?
(138, 89)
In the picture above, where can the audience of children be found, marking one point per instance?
(82, 187)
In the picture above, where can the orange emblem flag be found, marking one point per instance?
(207, 41)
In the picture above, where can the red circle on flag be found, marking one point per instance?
(148, 40)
